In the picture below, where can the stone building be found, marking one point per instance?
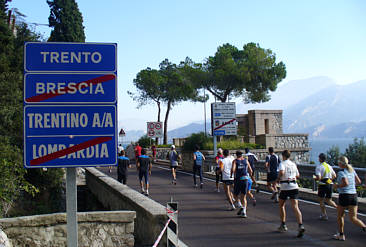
(265, 127)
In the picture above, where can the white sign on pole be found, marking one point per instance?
(155, 129)
(223, 117)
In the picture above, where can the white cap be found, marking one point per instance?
(173, 146)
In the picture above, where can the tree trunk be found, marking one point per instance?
(169, 107)
(159, 110)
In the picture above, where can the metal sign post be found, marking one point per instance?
(71, 208)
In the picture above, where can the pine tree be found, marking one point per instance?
(66, 20)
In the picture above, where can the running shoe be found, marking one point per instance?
(174, 181)
(301, 231)
(339, 237)
(240, 211)
(217, 190)
(201, 185)
(254, 202)
(273, 195)
(232, 207)
(147, 193)
(238, 204)
(195, 186)
(276, 197)
(323, 217)
(282, 228)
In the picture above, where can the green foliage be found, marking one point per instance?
(333, 155)
(66, 20)
(199, 139)
(6, 40)
(145, 141)
(356, 152)
(206, 143)
(168, 85)
(250, 73)
(12, 174)
(232, 145)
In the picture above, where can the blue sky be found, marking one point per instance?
(312, 37)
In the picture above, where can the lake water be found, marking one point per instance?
(323, 145)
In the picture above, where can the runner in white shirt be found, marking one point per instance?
(227, 178)
(288, 173)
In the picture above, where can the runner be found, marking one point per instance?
(324, 173)
(218, 157)
(123, 164)
(137, 150)
(241, 169)
(173, 156)
(288, 173)
(153, 149)
(144, 167)
(346, 185)
(226, 164)
(252, 158)
(272, 163)
(198, 159)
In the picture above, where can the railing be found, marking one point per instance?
(306, 170)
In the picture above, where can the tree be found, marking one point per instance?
(150, 86)
(250, 73)
(6, 38)
(168, 85)
(356, 152)
(66, 20)
(333, 155)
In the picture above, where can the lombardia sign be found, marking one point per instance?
(70, 104)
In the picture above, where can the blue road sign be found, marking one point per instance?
(219, 132)
(69, 88)
(70, 135)
(66, 57)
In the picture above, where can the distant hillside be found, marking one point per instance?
(343, 130)
(290, 93)
(189, 129)
(330, 106)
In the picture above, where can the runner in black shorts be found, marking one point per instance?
(346, 183)
(288, 173)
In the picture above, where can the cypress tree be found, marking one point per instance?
(6, 38)
(66, 21)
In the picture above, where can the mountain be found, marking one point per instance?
(330, 106)
(290, 93)
(348, 130)
(189, 129)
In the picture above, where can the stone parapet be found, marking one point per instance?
(150, 215)
(102, 229)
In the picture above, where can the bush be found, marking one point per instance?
(356, 152)
(206, 143)
(145, 141)
(333, 155)
(199, 139)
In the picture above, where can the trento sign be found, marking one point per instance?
(70, 102)
(66, 57)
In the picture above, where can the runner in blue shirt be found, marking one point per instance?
(272, 164)
(144, 168)
(123, 164)
(346, 185)
(198, 159)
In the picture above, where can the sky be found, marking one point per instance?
(313, 38)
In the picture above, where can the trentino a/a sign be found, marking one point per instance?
(223, 117)
(70, 112)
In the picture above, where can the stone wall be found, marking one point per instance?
(286, 141)
(150, 215)
(95, 229)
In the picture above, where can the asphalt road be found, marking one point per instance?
(205, 221)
